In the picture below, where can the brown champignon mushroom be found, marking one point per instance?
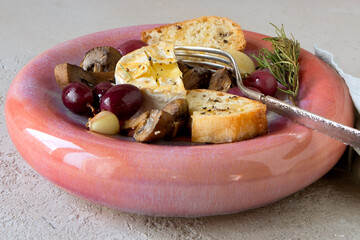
(197, 77)
(183, 67)
(104, 77)
(178, 109)
(158, 126)
(221, 80)
(101, 59)
(134, 123)
(67, 73)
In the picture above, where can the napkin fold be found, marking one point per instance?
(353, 84)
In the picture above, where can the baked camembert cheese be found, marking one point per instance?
(154, 70)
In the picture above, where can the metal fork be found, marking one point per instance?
(207, 56)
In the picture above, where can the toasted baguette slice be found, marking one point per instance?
(219, 117)
(211, 31)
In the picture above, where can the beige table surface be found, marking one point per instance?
(32, 208)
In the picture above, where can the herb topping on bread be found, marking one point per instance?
(219, 117)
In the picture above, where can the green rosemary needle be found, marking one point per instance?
(282, 61)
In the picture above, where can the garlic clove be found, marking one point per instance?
(244, 62)
(105, 122)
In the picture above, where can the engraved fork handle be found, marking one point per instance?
(345, 134)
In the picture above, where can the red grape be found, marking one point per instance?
(237, 91)
(123, 100)
(99, 91)
(76, 96)
(262, 80)
(130, 45)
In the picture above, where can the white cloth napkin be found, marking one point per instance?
(353, 83)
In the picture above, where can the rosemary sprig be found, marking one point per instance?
(282, 61)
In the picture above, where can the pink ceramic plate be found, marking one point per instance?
(170, 179)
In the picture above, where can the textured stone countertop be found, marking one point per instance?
(33, 208)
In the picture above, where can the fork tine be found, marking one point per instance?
(200, 58)
(212, 66)
(203, 56)
(201, 49)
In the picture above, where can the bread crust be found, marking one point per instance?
(244, 119)
(206, 31)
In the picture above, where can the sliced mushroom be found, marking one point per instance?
(104, 77)
(133, 123)
(67, 73)
(101, 59)
(158, 126)
(221, 80)
(197, 77)
(183, 67)
(178, 108)
(179, 111)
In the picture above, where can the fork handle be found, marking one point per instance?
(345, 134)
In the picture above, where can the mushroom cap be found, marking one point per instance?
(67, 73)
(221, 80)
(159, 125)
(101, 59)
(197, 77)
(178, 108)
